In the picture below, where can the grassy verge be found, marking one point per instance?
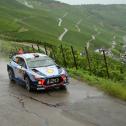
(115, 89)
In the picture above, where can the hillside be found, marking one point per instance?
(94, 26)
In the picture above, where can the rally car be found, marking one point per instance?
(37, 71)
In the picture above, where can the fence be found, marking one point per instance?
(97, 64)
(94, 63)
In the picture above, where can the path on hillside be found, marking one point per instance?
(93, 37)
(22, 21)
(65, 29)
(124, 43)
(114, 43)
(77, 25)
(27, 4)
(80, 105)
(63, 34)
(109, 51)
(60, 20)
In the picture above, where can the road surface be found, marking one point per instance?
(80, 105)
(77, 25)
(63, 34)
(60, 22)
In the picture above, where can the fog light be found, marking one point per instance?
(41, 82)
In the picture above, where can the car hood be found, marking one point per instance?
(47, 71)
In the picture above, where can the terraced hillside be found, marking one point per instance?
(94, 26)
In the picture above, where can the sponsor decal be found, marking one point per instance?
(50, 71)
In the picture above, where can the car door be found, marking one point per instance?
(21, 69)
(15, 65)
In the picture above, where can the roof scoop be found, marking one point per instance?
(36, 55)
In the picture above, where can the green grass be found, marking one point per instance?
(110, 87)
(42, 21)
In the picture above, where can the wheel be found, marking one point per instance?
(28, 85)
(11, 75)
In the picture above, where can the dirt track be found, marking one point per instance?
(80, 105)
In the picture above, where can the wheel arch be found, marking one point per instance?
(27, 75)
(9, 67)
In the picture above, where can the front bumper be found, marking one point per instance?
(39, 87)
(36, 86)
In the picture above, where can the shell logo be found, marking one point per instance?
(50, 71)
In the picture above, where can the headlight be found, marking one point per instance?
(37, 77)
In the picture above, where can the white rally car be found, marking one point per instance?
(37, 71)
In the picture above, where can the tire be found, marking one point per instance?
(11, 75)
(28, 84)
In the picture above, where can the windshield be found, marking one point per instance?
(40, 62)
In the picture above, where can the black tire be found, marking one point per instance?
(28, 84)
(11, 75)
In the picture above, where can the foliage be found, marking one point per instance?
(41, 23)
(116, 69)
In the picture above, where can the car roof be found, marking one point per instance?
(30, 55)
